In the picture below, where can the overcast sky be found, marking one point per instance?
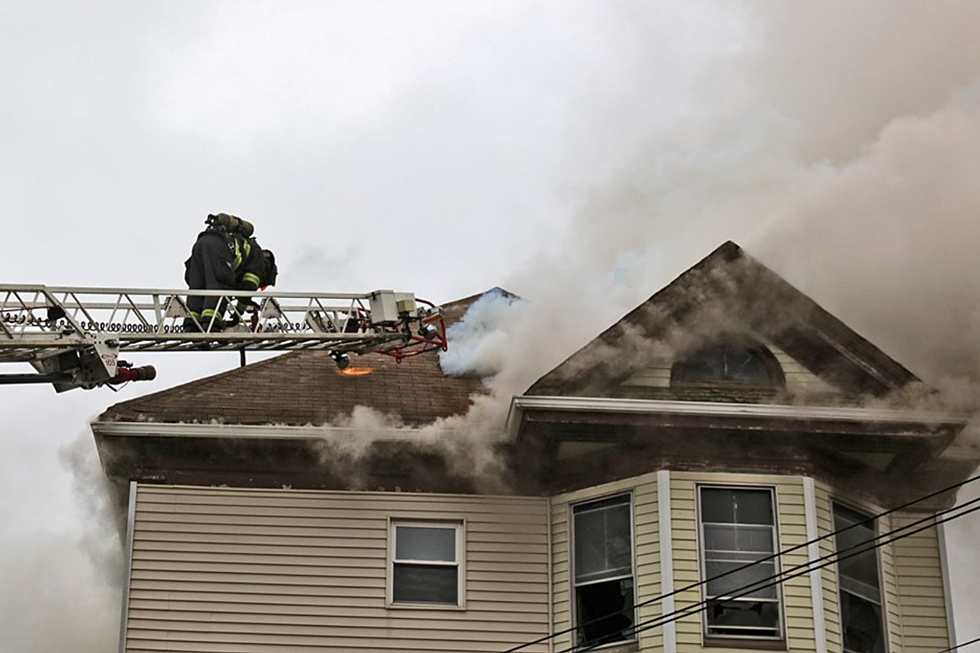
(579, 153)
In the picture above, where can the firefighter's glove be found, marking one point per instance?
(245, 306)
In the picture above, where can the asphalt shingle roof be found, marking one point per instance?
(307, 388)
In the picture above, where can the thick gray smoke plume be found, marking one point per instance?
(837, 141)
(843, 152)
(481, 338)
(62, 591)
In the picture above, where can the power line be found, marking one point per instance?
(953, 648)
(778, 579)
(736, 570)
(781, 578)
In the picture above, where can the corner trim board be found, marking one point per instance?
(667, 560)
(130, 525)
(947, 587)
(813, 554)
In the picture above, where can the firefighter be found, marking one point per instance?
(224, 257)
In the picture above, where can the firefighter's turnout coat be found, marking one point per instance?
(221, 260)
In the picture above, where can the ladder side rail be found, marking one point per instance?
(184, 291)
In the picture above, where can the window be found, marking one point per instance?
(738, 527)
(604, 585)
(860, 591)
(730, 362)
(425, 563)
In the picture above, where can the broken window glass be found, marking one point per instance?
(738, 530)
(603, 571)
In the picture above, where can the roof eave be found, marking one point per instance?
(927, 421)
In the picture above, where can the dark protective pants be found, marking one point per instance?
(209, 268)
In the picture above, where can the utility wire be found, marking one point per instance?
(778, 579)
(736, 570)
(953, 648)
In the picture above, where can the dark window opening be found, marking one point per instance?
(738, 529)
(860, 590)
(604, 584)
(729, 363)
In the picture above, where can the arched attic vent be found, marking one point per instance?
(729, 361)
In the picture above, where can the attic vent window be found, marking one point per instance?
(729, 363)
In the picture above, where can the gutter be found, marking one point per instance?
(248, 431)
(520, 405)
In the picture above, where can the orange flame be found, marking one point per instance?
(355, 371)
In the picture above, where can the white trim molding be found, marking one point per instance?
(713, 409)
(947, 587)
(813, 555)
(243, 431)
(666, 559)
(130, 525)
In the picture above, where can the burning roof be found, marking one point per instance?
(306, 388)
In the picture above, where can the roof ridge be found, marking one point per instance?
(871, 369)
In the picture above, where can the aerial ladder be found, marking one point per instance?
(75, 337)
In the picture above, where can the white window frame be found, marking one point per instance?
(572, 585)
(868, 512)
(459, 527)
(780, 635)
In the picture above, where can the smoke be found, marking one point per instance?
(73, 576)
(482, 335)
(839, 145)
(845, 158)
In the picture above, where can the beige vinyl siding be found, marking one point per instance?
(799, 379)
(919, 586)
(647, 554)
(654, 375)
(249, 570)
(914, 602)
(797, 607)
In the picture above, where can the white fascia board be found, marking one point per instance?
(242, 431)
(712, 409)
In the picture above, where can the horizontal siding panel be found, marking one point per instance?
(366, 523)
(195, 492)
(177, 585)
(353, 512)
(368, 579)
(173, 550)
(158, 538)
(257, 643)
(342, 501)
(246, 604)
(265, 570)
(406, 627)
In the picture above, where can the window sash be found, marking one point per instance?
(581, 582)
(604, 565)
(395, 563)
(440, 542)
(751, 550)
(856, 585)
